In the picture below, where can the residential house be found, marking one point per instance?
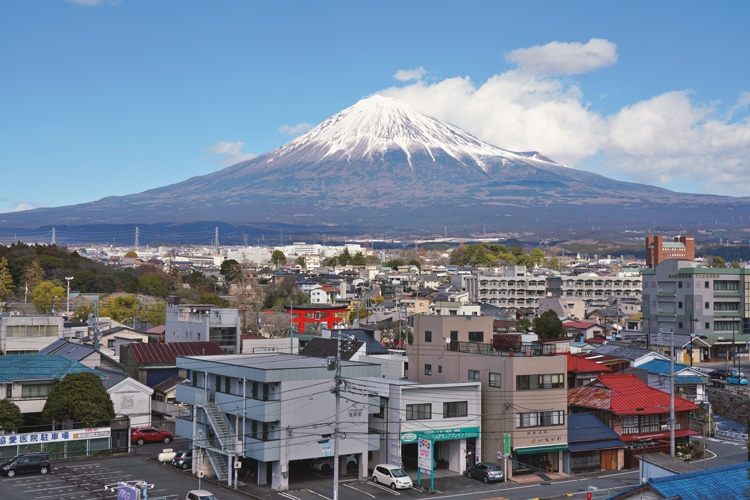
(523, 388)
(583, 330)
(150, 364)
(130, 398)
(638, 413)
(83, 353)
(688, 383)
(582, 371)
(565, 307)
(592, 445)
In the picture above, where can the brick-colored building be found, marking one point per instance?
(658, 250)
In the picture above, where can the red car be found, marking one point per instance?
(141, 435)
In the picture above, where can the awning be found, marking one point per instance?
(658, 435)
(540, 449)
(607, 444)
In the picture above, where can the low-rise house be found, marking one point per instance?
(21, 334)
(592, 445)
(150, 364)
(638, 413)
(83, 353)
(130, 398)
(584, 330)
(688, 383)
(582, 371)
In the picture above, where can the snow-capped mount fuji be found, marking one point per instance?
(378, 165)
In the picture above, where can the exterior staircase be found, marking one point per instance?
(224, 445)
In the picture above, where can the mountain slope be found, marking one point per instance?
(378, 161)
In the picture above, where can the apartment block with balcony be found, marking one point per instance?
(597, 290)
(524, 395)
(203, 323)
(515, 289)
(680, 297)
(272, 410)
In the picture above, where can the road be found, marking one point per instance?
(85, 480)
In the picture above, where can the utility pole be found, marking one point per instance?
(337, 392)
(671, 393)
(67, 308)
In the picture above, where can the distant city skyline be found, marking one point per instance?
(112, 97)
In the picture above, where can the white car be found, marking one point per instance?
(391, 475)
(325, 464)
(200, 495)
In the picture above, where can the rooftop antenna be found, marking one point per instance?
(137, 231)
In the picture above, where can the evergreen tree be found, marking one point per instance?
(80, 398)
(33, 275)
(548, 325)
(6, 281)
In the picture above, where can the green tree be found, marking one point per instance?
(131, 255)
(120, 308)
(47, 296)
(278, 258)
(548, 325)
(359, 259)
(6, 281)
(33, 274)
(718, 262)
(345, 258)
(80, 398)
(301, 261)
(156, 313)
(523, 325)
(231, 270)
(11, 417)
(154, 285)
(395, 263)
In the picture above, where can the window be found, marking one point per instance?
(726, 306)
(679, 305)
(419, 412)
(440, 368)
(474, 376)
(495, 380)
(679, 284)
(428, 369)
(455, 409)
(726, 285)
(476, 336)
(540, 419)
(679, 324)
(428, 336)
(533, 382)
(707, 306)
(705, 285)
(35, 391)
(707, 325)
(454, 335)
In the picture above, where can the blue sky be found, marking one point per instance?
(103, 97)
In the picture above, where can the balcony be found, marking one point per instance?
(502, 350)
(262, 411)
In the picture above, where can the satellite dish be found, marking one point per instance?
(447, 340)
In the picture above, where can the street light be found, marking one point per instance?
(67, 308)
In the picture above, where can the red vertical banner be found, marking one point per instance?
(589, 496)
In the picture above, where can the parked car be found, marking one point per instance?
(325, 464)
(183, 459)
(718, 374)
(736, 378)
(486, 472)
(391, 475)
(200, 495)
(141, 435)
(26, 463)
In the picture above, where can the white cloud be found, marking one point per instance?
(295, 130)
(406, 75)
(230, 152)
(559, 58)
(667, 140)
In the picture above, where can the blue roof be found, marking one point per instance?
(689, 379)
(661, 367)
(729, 481)
(40, 367)
(585, 427)
(68, 349)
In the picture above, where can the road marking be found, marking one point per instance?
(287, 495)
(384, 488)
(618, 474)
(320, 495)
(361, 491)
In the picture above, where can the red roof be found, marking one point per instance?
(168, 352)
(580, 364)
(625, 394)
(585, 325)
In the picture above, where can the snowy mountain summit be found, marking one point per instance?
(378, 165)
(378, 126)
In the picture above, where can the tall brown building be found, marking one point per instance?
(658, 250)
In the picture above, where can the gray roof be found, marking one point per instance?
(320, 347)
(624, 352)
(114, 377)
(372, 346)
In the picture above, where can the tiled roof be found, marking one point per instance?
(145, 353)
(586, 427)
(729, 481)
(68, 349)
(40, 367)
(627, 395)
(625, 352)
(372, 346)
(661, 366)
(579, 364)
(322, 348)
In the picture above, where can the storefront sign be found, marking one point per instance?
(424, 455)
(441, 434)
(54, 436)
